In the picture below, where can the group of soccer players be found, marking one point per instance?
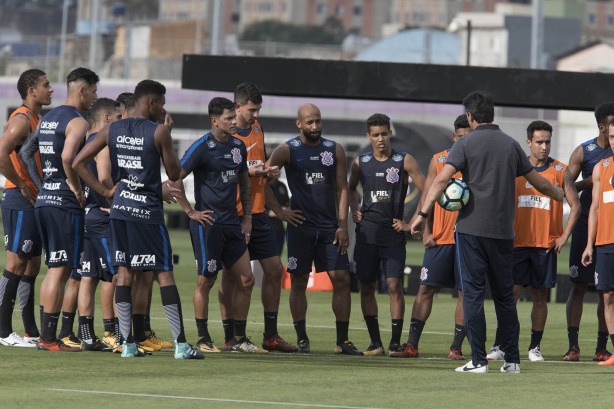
(89, 192)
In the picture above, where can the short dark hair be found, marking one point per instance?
(378, 120)
(538, 126)
(461, 122)
(82, 74)
(246, 92)
(479, 104)
(218, 104)
(28, 79)
(123, 97)
(102, 106)
(603, 111)
(148, 87)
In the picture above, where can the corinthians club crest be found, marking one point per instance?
(392, 175)
(327, 158)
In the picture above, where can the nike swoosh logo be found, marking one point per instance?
(251, 146)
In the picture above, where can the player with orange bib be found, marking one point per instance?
(21, 238)
(439, 265)
(600, 245)
(539, 233)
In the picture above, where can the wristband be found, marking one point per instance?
(421, 213)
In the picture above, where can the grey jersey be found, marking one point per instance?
(489, 160)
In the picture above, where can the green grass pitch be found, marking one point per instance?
(321, 379)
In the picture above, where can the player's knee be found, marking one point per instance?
(299, 282)
(248, 281)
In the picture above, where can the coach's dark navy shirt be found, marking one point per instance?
(311, 177)
(216, 166)
(54, 191)
(135, 164)
(384, 187)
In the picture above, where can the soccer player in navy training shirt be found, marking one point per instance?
(317, 177)
(139, 239)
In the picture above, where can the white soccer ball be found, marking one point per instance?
(455, 196)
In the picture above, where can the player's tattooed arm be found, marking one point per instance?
(246, 201)
(341, 235)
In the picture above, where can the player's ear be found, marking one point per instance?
(298, 123)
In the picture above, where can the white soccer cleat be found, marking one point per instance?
(495, 354)
(535, 355)
(31, 340)
(14, 340)
(470, 368)
(510, 368)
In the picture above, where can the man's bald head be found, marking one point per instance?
(309, 121)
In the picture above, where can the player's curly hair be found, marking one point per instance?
(603, 111)
(149, 87)
(538, 126)
(28, 79)
(378, 120)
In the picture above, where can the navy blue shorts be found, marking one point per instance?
(604, 270)
(20, 232)
(370, 260)
(440, 267)
(577, 272)
(216, 246)
(263, 243)
(140, 246)
(96, 223)
(96, 260)
(534, 267)
(308, 246)
(61, 233)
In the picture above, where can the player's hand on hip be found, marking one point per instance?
(204, 217)
(273, 172)
(399, 225)
(357, 216)
(427, 240)
(28, 193)
(587, 256)
(558, 244)
(169, 193)
(294, 217)
(342, 240)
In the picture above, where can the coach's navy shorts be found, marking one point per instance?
(370, 260)
(263, 243)
(61, 233)
(20, 232)
(140, 246)
(534, 267)
(96, 260)
(309, 246)
(604, 267)
(577, 272)
(440, 268)
(216, 247)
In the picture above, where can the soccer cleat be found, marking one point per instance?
(119, 349)
(573, 355)
(535, 355)
(183, 350)
(71, 341)
(495, 354)
(245, 344)
(147, 344)
(151, 337)
(406, 350)
(374, 349)
(130, 350)
(347, 348)
(456, 354)
(509, 367)
(14, 340)
(109, 338)
(206, 345)
(55, 346)
(470, 368)
(31, 340)
(96, 345)
(394, 348)
(602, 355)
(304, 346)
(607, 362)
(230, 344)
(277, 343)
